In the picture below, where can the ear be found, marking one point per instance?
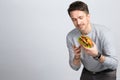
(88, 15)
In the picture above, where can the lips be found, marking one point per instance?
(85, 41)
(80, 25)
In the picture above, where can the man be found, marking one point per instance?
(100, 62)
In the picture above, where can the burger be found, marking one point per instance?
(85, 41)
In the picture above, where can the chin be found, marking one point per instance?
(81, 29)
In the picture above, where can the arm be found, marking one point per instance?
(108, 57)
(109, 52)
(74, 60)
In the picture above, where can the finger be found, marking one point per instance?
(93, 44)
(74, 46)
(80, 46)
(83, 47)
(77, 54)
(77, 51)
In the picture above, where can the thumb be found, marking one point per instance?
(94, 44)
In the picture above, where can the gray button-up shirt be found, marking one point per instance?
(103, 39)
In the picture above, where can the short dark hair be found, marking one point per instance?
(78, 5)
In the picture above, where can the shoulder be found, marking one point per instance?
(100, 27)
(103, 33)
(72, 33)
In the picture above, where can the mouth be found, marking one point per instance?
(80, 26)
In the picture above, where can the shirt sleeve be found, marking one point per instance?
(71, 54)
(109, 51)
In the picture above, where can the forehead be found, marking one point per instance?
(77, 13)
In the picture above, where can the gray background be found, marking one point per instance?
(33, 37)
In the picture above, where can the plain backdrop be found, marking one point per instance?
(33, 37)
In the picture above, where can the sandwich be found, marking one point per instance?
(85, 41)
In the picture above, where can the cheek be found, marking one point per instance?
(86, 21)
(75, 23)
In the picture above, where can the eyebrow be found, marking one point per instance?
(77, 17)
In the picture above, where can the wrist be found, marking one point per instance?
(76, 60)
(77, 57)
(97, 57)
(102, 59)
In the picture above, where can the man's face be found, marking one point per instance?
(80, 19)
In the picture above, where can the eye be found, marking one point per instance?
(80, 17)
(73, 19)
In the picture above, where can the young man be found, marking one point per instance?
(100, 62)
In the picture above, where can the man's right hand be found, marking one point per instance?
(76, 59)
(77, 50)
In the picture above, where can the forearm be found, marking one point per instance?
(76, 60)
(99, 57)
(110, 62)
(75, 63)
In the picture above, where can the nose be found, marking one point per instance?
(78, 21)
